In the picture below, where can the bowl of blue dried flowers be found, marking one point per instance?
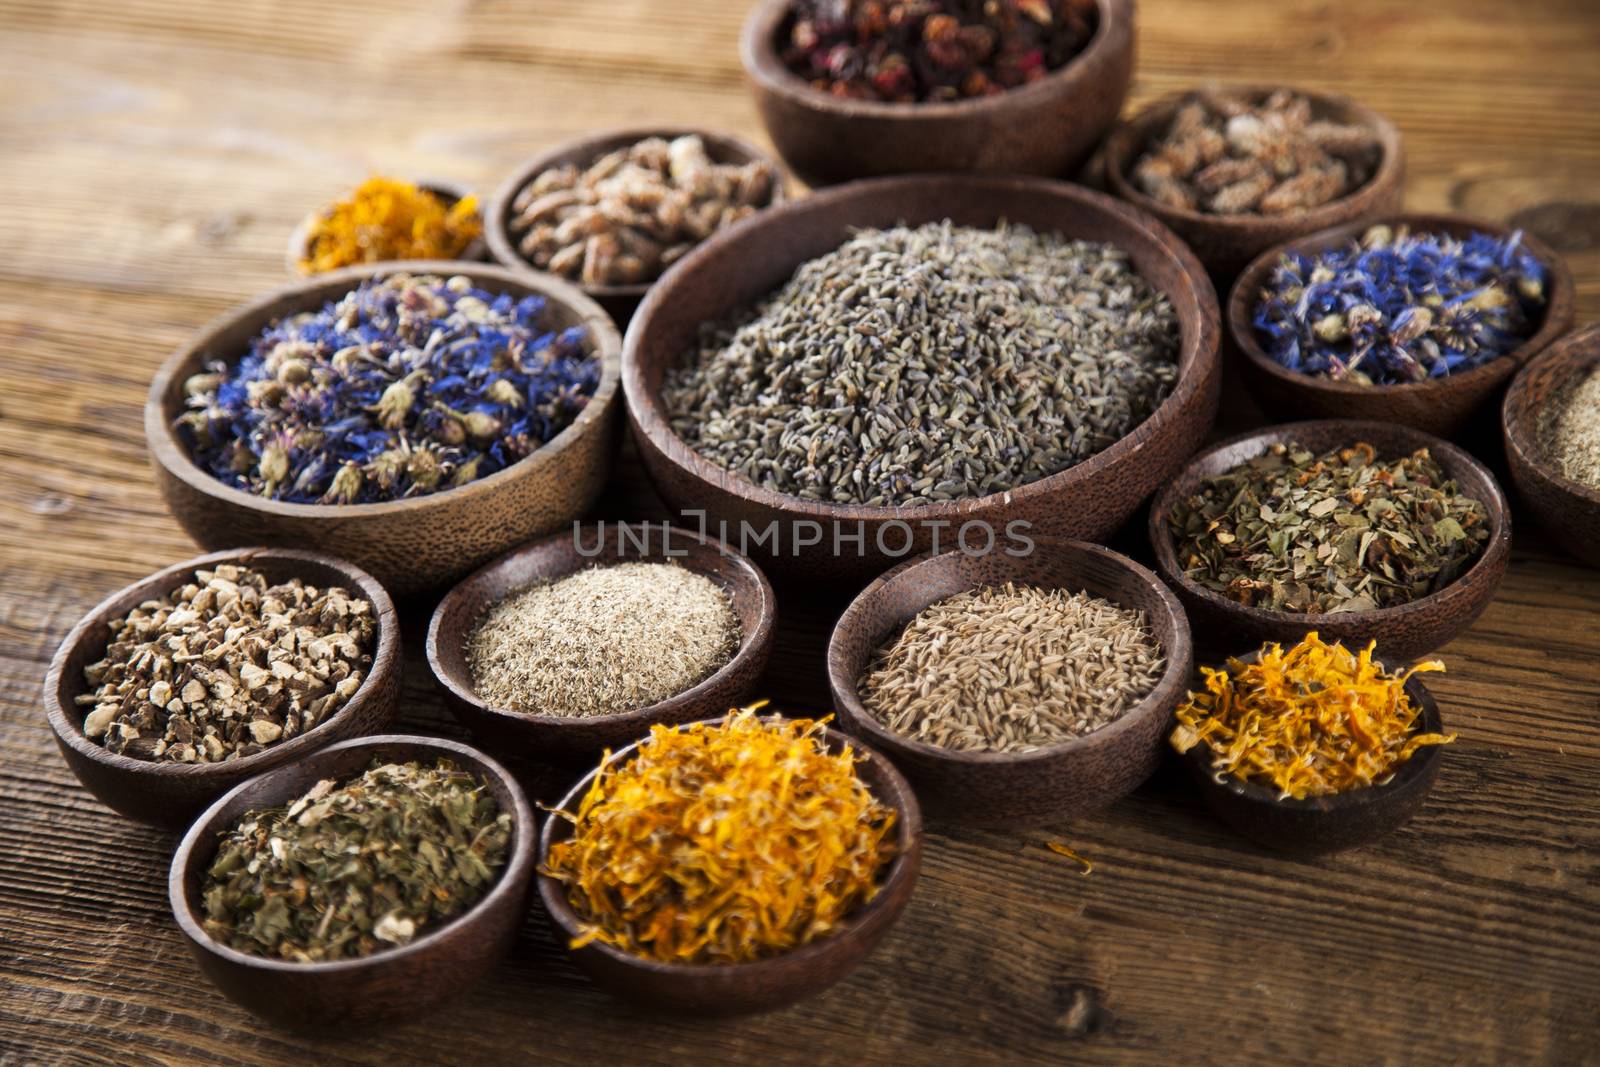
(415, 418)
(1419, 320)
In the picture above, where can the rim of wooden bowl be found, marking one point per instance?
(844, 676)
(1128, 138)
(68, 724)
(169, 451)
(721, 147)
(1198, 351)
(199, 844)
(758, 52)
(1459, 464)
(448, 191)
(735, 570)
(1563, 361)
(1555, 318)
(902, 869)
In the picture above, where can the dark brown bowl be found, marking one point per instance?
(560, 739)
(1052, 783)
(1088, 501)
(396, 983)
(1329, 823)
(1048, 127)
(619, 300)
(1567, 509)
(412, 545)
(742, 988)
(1441, 406)
(1403, 632)
(448, 192)
(1225, 243)
(170, 794)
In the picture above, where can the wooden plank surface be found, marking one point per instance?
(154, 155)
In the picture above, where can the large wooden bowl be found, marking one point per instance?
(558, 738)
(1442, 406)
(397, 983)
(1225, 243)
(1568, 510)
(1087, 501)
(1051, 783)
(170, 794)
(1048, 127)
(619, 300)
(693, 990)
(411, 545)
(1402, 632)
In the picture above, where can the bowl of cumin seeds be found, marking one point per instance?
(842, 379)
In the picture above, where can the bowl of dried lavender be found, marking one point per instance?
(416, 418)
(367, 882)
(583, 640)
(1235, 170)
(866, 88)
(848, 379)
(1014, 688)
(612, 211)
(1362, 531)
(173, 690)
(1414, 319)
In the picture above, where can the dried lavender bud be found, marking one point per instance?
(1395, 307)
(225, 665)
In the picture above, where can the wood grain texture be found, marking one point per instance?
(154, 156)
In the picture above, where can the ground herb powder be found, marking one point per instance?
(1570, 432)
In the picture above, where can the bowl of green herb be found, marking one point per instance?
(368, 881)
(1361, 531)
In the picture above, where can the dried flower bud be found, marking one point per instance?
(395, 404)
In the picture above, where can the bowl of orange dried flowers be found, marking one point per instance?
(385, 219)
(763, 858)
(1315, 748)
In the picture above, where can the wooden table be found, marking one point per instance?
(156, 154)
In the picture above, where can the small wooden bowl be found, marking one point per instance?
(618, 300)
(1441, 406)
(412, 545)
(1058, 781)
(1403, 632)
(170, 794)
(1328, 823)
(1048, 127)
(742, 988)
(1225, 243)
(448, 192)
(560, 739)
(1088, 501)
(395, 983)
(1568, 510)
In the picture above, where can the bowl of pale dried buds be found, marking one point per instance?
(1235, 170)
(176, 688)
(613, 211)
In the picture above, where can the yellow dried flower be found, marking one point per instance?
(386, 219)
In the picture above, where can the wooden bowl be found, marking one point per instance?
(1048, 127)
(1055, 782)
(742, 988)
(1441, 406)
(1568, 510)
(448, 192)
(1328, 823)
(170, 794)
(392, 984)
(558, 738)
(1402, 632)
(412, 545)
(1088, 501)
(619, 300)
(1225, 243)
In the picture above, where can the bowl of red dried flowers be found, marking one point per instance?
(1234, 170)
(861, 89)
